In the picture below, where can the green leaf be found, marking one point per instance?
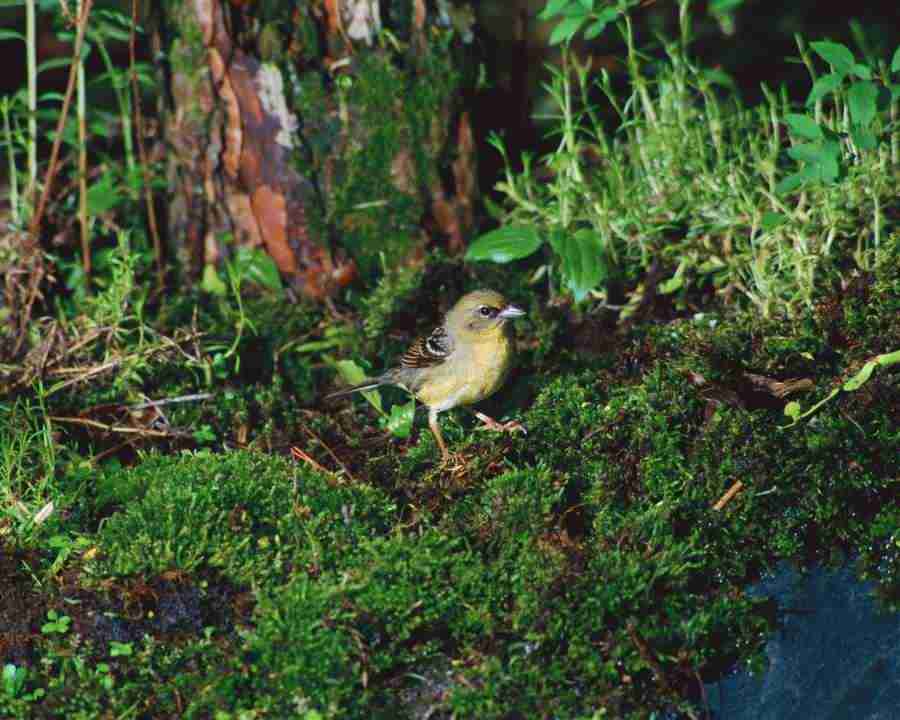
(864, 72)
(863, 138)
(505, 244)
(211, 283)
(835, 54)
(806, 152)
(603, 18)
(676, 282)
(566, 29)
(588, 5)
(257, 266)
(552, 9)
(353, 374)
(103, 195)
(400, 421)
(862, 99)
(895, 63)
(793, 410)
(791, 183)
(823, 86)
(582, 260)
(804, 126)
(12, 35)
(771, 220)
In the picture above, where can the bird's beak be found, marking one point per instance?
(510, 312)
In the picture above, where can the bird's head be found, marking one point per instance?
(481, 313)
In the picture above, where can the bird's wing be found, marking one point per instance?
(427, 351)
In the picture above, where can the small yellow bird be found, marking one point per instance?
(463, 361)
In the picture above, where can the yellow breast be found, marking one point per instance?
(472, 375)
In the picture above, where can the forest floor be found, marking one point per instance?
(174, 559)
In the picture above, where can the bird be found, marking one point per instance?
(464, 360)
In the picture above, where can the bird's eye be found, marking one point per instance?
(485, 311)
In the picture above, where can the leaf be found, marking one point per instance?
(583, 263)
(790, 183)
(603, 18)
(257, 266)
(895, 63)
(806, 152)
(211, 282)
(823, 86)
(862, 100)
(400, 421)
(804, 126)
(103, 195)
(12, 35)
(353, 374)
(552, 9)
(863, 138)
(771, 220)
(793, 410)
(863, 72)
(505, 244)
(676, 282)
(566, 29)
(835, 54)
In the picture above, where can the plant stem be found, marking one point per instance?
(31, 44)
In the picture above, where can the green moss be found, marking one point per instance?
(249, 515)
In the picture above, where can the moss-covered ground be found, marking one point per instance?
(588, 569)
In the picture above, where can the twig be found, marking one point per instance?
(729, 495)
(300, 455)
(171, 401)
(647, 656)
(35, 226)
(330, 453)
(96, 424)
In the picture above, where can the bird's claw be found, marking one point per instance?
(489, 423)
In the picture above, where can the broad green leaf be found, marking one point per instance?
(790, 183)
(257, 266)
(400, 421)
(588, 5)
(862, 100)
(583, 262)
(863, 72)
(353, 374)
(807, 152)
(602, 19)
(103, 195)
(771, 220)
(505, 244)
(863, 138)
(211, 282)
(835, 54)
(552, 9)
(823, 86)
(895, 63)
(804, 126)
(566, 29)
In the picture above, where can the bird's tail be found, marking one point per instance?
(370, 384)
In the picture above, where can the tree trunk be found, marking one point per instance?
(329, 133)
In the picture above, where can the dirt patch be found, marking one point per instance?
(22, 609)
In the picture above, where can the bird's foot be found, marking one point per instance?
(454, 463)
(494, 426)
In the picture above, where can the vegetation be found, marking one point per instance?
(709, 378)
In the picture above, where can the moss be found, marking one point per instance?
(254, 517)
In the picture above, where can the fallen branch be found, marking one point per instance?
(729, 494)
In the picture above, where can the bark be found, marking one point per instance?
(311, 132)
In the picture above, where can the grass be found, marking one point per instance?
(162, 556)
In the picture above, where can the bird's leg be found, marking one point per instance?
(447, 458)
(491, 424)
